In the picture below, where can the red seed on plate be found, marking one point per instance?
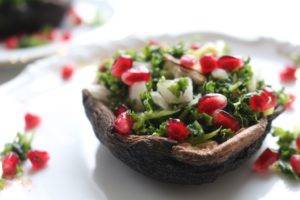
(298, 143)
(120, 109)
(209, 103)
(208, 64)
(187, 61)
(230, 63)
(12, 42)
(177, 130)
(132, 76)
(265, 160)
(31, 121)
(123, 124)
(67, 71)
(295, 163)
(121, 64)
(265, 100)
(224, 119)
(66, 36)
(38, 159)
(9, 165)
(195, 46)
(288, 74)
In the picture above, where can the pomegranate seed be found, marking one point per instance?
(265, 160)
(122, 64)
(67, 71)
(120, 109)
(298, 143)
(195, 46)
(288, 74)
(31, 121)
(12, 42)
(9, 165)
(224, 119)
(177, 130)
(265, 100)
(38, 159)
(66, 36)
(230, 63)
(208, 64)
(289, 104)
(187, 61)
(76, 19)
(123, 124)
(295, 163)
(209, 103)
(132, 76)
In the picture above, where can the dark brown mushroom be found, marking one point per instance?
(169, 161)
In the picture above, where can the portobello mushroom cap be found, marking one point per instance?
(169, 161)
(32, 16)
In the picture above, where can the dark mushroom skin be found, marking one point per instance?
(31, 17)
(168, 161)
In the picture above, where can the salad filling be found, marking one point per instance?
(188, 93)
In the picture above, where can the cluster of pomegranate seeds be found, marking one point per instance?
(230, 63)
(123, 124)
(208, 64)
(132, 76)
(31, 121)
(288, 74)
(177, 130)
(209, 103)
(38, 159)
(120, 109)
(121, 64)
(67, 71)
(224, 119)
(9, 165)
(263, 101)
(265, 160)
(187, 61)
(12, 42)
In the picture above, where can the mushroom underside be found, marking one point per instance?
(166, 160)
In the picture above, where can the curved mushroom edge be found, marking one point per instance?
(168, 161)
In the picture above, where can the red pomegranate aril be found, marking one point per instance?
(209, 103)
(208, 64)
(224, 119)
(177, 130)
(289, 104)
(123, 124)
(38, 159)
(120, 109)
(187, 61)
(12, 42)
(298, 143)
(265, 100)
(265, 160)
(9, 165)
(295, 163)
(31, 121)
(133, 76)
(121, 64)
(67, 71)
(230, 63)
(269, 93)
(288, 74)
(66, 36)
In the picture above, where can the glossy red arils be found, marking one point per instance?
(120, 109)
(230, 63)
(133, 76)
(208, 64)
(12, 42)
(177, 130)
(224, 119)
(291, 100)
(298, 143)
(123, 124)
(121, 64)
(209, 103)
(31, 121)
(38, 159)
(67, 71)
(187, 61)
(295, 163)
(265, 160)
(265, 100)
(288, 74)
(9, 165)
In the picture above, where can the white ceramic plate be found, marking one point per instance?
(87, 9)
(82, 168)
